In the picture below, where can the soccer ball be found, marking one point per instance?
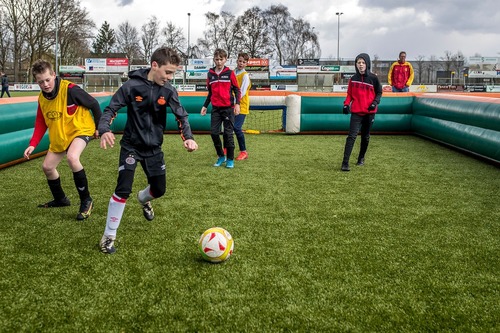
(216, 244)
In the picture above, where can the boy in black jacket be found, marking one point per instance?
(146, 95)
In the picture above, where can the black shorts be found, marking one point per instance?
(153, 165)
(85, 138)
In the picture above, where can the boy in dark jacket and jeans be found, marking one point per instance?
(363, 96)
(5, 84)
(224, 94)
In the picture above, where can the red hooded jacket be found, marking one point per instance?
(363, 89)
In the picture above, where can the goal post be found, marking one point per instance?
(270, 114)
(102, 82)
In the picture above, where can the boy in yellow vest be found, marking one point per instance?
(245, 84)
(71, 115)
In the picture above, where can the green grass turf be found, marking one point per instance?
(23, 93)
(407, 243)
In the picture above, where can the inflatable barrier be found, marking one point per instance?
(466, 122)
(324, 114)
(17, 122)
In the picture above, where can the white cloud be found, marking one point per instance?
(384, 27)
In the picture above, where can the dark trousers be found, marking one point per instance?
(153, 166)
(358, 122)
(223, 117)
(5, 89)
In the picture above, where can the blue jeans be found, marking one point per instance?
(358, 122)
(238, 130)
(405, 89)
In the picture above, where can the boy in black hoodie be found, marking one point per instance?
(146, 95)
(363, 96)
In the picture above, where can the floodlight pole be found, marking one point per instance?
(338, 36)
(189, 34)
(338, 42)
(57, 38)
(187, 54)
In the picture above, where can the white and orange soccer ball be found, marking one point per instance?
(216, 244)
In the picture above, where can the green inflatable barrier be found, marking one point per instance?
(16, 117)
(12, 145)
(469, 112)
(470, 124)
(192, 104)
(324, 114)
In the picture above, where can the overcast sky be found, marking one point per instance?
(377, 27)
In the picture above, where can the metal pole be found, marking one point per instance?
(338, 43)
(189, 33)
(187, 53)
(338, 36)
(57, 38)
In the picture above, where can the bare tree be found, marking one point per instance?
(13, 12)
(150, 37)
(6, 40)
(432, 66)
(419, 68)
(36, 14)
(195, 52)
(211, 41)
(458, 61)
(278, 23)
(32, 27)
(74, 32)
(174, 38)
(301, 42)
(270, 33)
(228, 33)
(447, 60)
(127, 41)
(253, 37)
(221, 33)
(453, 62)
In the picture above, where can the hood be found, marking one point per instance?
(139, 73)
(366, 58)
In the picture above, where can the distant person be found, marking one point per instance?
(363, 97)
(224, 94)
(244, 82)
(5, 84)
(146, 94)
(71, 115)
(401, 74)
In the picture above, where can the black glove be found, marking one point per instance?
(372, 107)
(346, 109)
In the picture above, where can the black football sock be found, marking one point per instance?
(56, 189)
(82, 185)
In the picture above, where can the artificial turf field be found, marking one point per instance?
(407, 243)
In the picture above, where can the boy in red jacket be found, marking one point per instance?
(363, 96)
(224, 94)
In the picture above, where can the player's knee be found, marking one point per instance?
(73, 159)
(157, 186)
(47, 169)
(157, 191)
